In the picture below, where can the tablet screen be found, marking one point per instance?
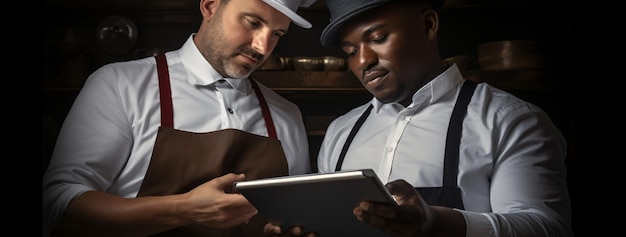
(318, 202)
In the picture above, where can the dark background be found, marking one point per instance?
(71, 51)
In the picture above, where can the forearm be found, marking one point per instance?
(100, 214)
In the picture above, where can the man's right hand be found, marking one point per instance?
(210, 205)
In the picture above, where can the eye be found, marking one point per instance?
(278, 34)
(251, 23)
(350, 51)
(379, 39)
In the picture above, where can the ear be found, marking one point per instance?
(209, 7)
(431, 23)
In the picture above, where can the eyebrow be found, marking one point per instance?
(367, 32)
(261, 19)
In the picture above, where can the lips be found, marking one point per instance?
(372, 79)
(250, 60)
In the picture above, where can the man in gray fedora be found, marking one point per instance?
(461, 158)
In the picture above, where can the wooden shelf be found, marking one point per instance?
(345, 81)
(513, 80)
(309, 80)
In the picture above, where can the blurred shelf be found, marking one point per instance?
(513, 80)
(320, 82)
(309, 80)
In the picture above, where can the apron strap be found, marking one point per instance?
(269, 122)
(165, 91)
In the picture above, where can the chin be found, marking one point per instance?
(385, 100)
(386, 97)
(239, 71)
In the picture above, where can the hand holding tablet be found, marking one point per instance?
(317, 202)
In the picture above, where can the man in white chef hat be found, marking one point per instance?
(150, 145)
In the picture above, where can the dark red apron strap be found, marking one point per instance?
(165, 91)
(269, 123)
(167, 113)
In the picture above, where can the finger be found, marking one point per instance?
(239, 203)
(311, 234)
(296, 231)
(403, 192)
(271, 230)
(358, 212)
(400, 188)
(234, 206)
(374, 220)
(228, 179)
(226, 182)
(367, 213)
(379, 209)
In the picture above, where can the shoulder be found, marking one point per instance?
(501, 101)
(275, 99)
(124, 70)
(505, 110)
(278, 103)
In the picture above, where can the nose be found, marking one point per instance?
(261, 42)
(366, 58)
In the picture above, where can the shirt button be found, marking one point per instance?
(389, 149)
(230, 110)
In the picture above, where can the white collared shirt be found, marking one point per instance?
(511, 158)
(108, 135)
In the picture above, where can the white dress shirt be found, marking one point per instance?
(511, 159)
(108, 135)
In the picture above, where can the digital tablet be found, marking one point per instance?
(317, 202)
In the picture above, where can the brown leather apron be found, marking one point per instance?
(182, 160)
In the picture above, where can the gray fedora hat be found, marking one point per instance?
(343, 10)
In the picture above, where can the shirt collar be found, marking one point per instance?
(433, 90)
(201, 72)
(444, 83)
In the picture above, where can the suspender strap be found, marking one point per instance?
(353, 132)
(453, 140)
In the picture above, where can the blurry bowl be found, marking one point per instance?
(273, 62)
(332, 63)
(307, 63)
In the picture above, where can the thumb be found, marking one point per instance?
(404, 192)
(227, 180)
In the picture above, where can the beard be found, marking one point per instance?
(237, 70)
(216, 46)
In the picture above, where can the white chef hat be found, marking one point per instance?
(289, 8)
